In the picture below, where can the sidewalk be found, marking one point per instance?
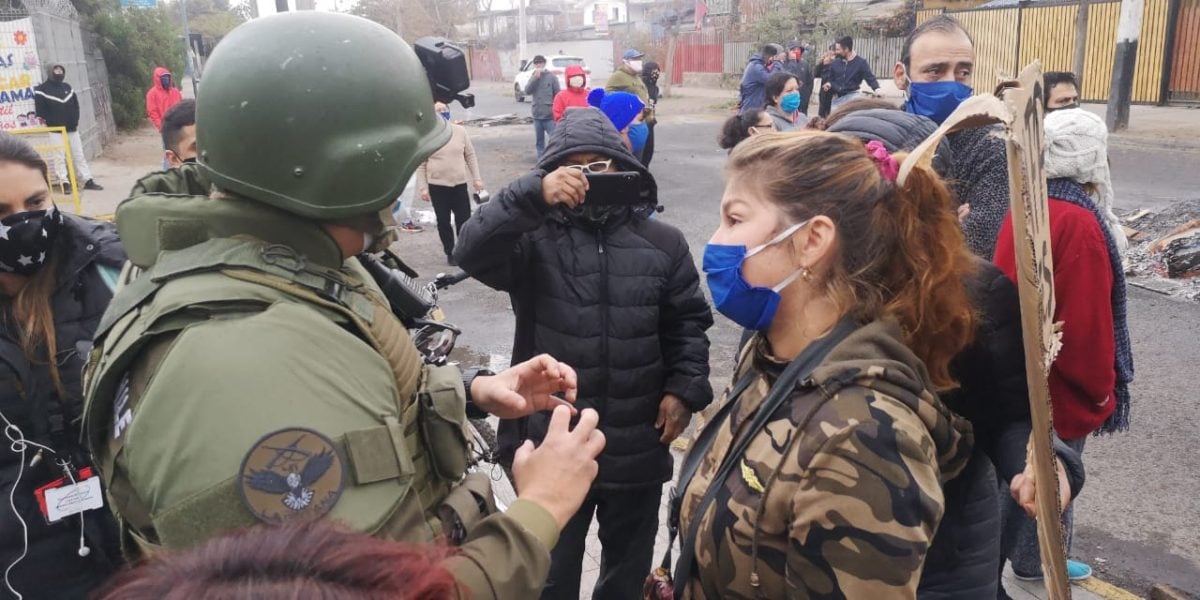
(1170, 127)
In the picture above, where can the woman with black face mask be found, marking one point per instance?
(57, 271)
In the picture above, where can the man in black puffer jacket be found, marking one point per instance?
(964, 560)
(616, 295)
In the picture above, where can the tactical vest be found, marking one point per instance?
(204, 261)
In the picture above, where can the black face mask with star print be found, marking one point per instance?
(26, 239)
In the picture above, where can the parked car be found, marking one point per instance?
(555, 64)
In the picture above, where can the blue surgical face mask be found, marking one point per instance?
(749, 306)
(445, 115)
(638, 134)
(936, 99)
(790, 102)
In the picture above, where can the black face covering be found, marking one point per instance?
(596, 215)
(165, 81)
(1072, 105)
(58, 77)
(26, 239)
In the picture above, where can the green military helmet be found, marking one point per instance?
(323, 115)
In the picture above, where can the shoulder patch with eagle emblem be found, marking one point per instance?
(290, 474)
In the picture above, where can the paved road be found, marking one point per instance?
(1138, 516)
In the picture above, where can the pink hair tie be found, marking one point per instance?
(888, 167)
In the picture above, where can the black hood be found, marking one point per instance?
(899, 131)
(50, 85)
(587, 130)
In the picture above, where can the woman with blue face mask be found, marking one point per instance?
(783, 101)
(831, 435)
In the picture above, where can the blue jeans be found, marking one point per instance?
(542, 128)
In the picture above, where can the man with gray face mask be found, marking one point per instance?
(618, 294)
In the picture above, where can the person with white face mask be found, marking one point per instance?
(629, 79)
(575, 95)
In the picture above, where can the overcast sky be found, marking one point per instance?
(267, 7)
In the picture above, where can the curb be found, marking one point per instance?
(1139, 142)
(1106, 590)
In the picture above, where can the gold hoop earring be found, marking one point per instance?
(806, 274)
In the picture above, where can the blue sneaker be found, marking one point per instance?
(1077, 571)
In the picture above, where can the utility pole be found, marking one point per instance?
(187, 50)
(1081, 27)
(522, 26)
(1120, 95)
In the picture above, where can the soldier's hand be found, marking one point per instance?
(564, 185)
(673, 418)
(526, 388)
(558, 474)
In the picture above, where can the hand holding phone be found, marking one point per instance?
(564, 185)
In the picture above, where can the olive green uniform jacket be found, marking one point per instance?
(217, 357)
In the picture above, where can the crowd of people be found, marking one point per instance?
(219, 372)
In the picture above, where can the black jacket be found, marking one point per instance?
(964, 559)
(651, 82)
(620, 303)
(53, 568)
(57, 103)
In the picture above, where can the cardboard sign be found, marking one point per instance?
(1035, 283)
(1018, 108)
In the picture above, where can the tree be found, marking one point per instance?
(419, 18)
(787, 19)
(213, 19)
(133, 43)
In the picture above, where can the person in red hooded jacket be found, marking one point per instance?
(161, 96)
(575, 95)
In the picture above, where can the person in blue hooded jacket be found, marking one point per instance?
(754, 79)
(625, 110)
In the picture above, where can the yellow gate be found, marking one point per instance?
(54, 147)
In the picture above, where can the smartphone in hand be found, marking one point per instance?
(614, 189)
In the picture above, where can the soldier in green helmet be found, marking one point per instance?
(250, 371)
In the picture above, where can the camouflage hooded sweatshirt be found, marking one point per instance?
(840, 494)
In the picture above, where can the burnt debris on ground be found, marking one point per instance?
(1164, 249)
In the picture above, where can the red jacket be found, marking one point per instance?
(1082, 378)
(571, 97)
(158, 100)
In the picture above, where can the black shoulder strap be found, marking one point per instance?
(798, 370)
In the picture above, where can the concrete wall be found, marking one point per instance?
(597, 54)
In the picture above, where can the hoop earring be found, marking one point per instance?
(806, 274)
